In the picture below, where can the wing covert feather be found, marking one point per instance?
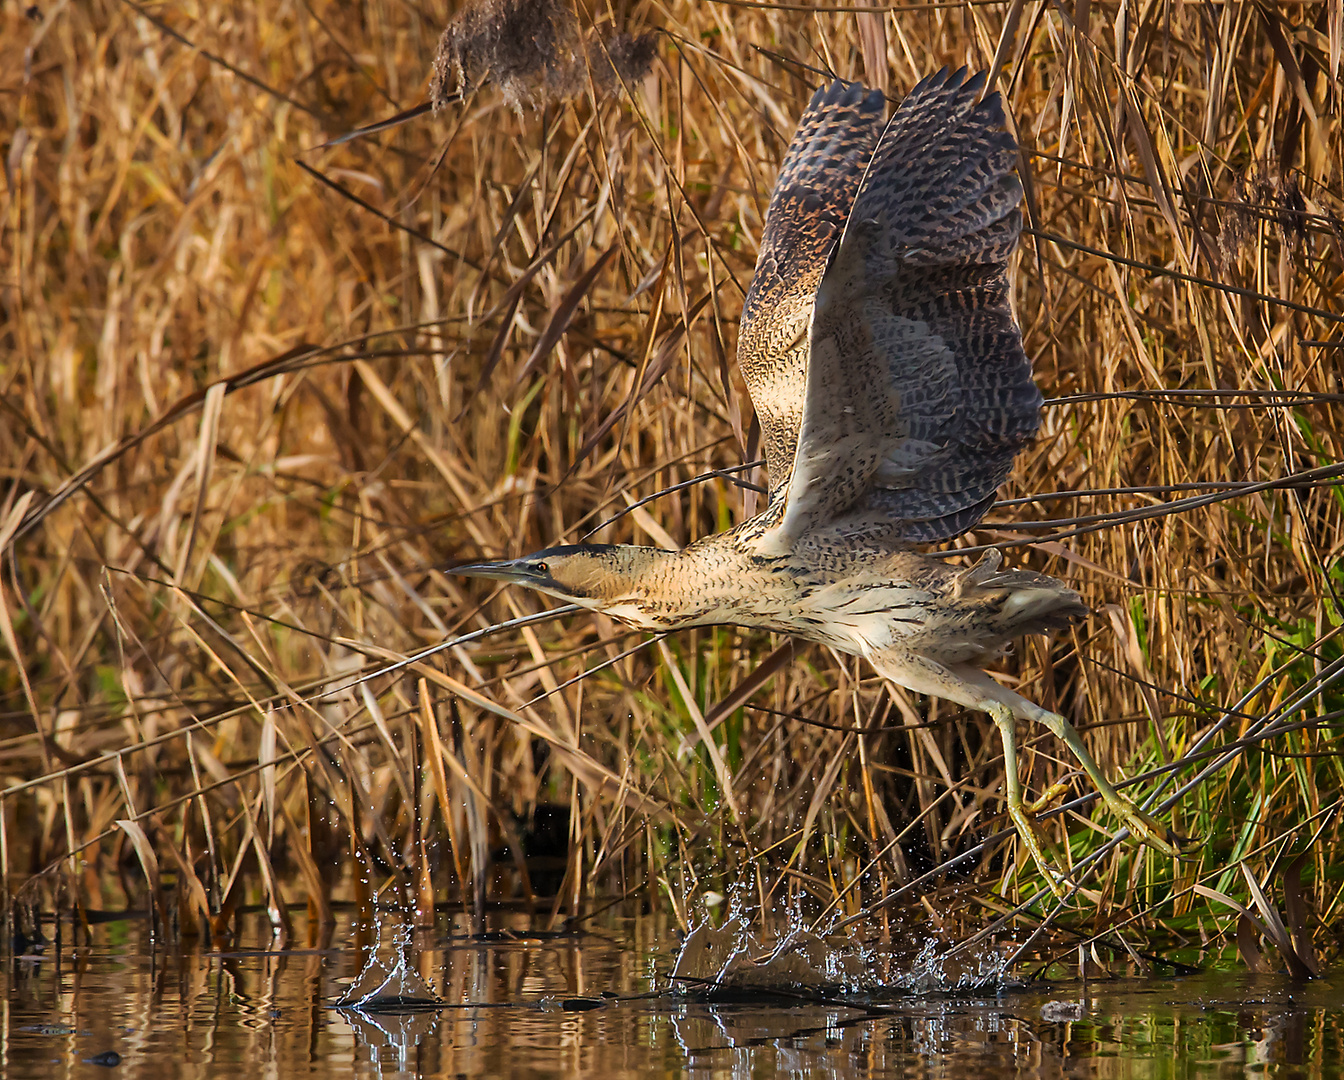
(811, 201)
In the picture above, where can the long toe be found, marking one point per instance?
(1148, 830)
(1053, 794)
(1036, 844)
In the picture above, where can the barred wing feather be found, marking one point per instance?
(808, 209)
(918, 392)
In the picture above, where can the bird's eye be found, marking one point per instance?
(542, 568)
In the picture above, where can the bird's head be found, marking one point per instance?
(604, 577)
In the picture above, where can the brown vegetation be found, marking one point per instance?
(257, 393)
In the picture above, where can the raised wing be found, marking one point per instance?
(811, 202)
(919, 395)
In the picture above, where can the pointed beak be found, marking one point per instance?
(513, 570)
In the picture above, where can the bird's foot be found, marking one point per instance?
(1047, 798)
(1037, 845)
(1146, 829)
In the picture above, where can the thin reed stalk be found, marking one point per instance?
(270, 365)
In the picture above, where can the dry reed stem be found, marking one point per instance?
(303, 381)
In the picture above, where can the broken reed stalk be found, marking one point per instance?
(304, 380)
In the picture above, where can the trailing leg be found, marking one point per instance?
(1142, 827)
(974, 689)
(925, 676)
(1022, 818)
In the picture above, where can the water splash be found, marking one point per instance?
(740, 954)
(737, 956)
(389, 981)
(940, 965)
(389, 1006)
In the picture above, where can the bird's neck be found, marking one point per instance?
(700, 585)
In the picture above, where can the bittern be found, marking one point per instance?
(880, 350)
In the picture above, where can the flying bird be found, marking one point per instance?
(887, 371)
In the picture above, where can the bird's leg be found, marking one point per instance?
(1022, 816)
(974, 689)
(1142, 827)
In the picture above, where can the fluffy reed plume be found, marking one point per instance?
(255, 397)
(621, 58)
(1277, 200)
(533, 51)
(524, 46)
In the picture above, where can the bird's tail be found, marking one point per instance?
(1028, 603)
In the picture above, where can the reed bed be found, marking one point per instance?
(262, 384)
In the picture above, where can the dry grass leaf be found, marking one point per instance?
(261, 385)
(149, 864)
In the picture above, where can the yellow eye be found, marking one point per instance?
(542, 568)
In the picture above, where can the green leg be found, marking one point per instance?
(1032, 839)
(1142, 827)
(973, 688)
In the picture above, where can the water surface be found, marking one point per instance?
(524, 1003)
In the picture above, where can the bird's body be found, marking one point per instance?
(887, 372)
(864, 600)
